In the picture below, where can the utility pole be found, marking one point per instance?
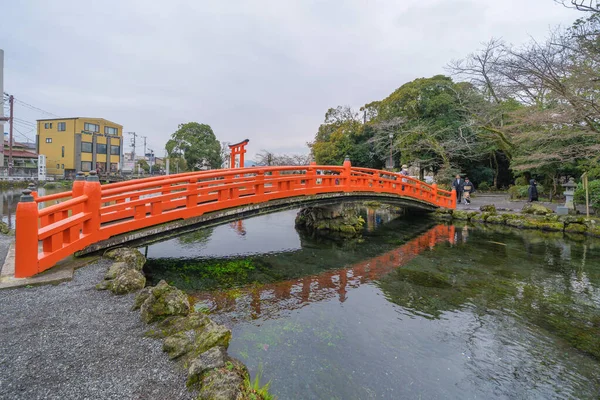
(144, 137)
(11, 103)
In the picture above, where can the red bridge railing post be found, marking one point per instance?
(434, 192)
(26, 240)
(453, 199)
(347, 173)
(92, 205)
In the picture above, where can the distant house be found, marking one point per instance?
(24, 158)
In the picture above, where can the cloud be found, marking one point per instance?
(263, 70)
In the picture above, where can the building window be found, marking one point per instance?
(57, 166)
(62, 166)
(115, 150)
(86, 147)
(113, 167)
(48, 140)
(62, 126)
(100, 148)
(63, 151)
(48, 125)
(86, 166)
(111, 131)
(91, 127)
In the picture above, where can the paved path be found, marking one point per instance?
(503, 201)
(71, 341)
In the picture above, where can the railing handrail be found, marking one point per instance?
(93, 212)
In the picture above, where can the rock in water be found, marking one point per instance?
(210, 359)
(489, 208)
(226, 383)
(132, 257)
(164, 301)
(536, 209)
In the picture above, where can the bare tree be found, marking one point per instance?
(481, 68)
(267, 158)
(581, 5)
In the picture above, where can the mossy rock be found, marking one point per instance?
(460, 215)
(481, 217)
(225, 383)
(133, 257)
(347, 229)
(442, 217)
(210, 336)
(194, 342)
(174, 324)
(129, 281)
(444, 211)
(4, 229)
(141, 297)
(179, 344)
(496, 219)
(117, 268)
(536, 209)
(575, 228)
(164, 301)
(489, 208)
(210, 359)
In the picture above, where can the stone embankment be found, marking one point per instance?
(340, 219)
(532, 216)
(189, 337)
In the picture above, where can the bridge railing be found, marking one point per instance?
(91, 212)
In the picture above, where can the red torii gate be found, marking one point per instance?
(238, 149)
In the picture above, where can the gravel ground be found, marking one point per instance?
(71, 341)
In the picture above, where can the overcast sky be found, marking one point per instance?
(263, 70)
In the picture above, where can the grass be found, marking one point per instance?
(255, 390)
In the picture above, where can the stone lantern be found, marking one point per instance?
(569, 207)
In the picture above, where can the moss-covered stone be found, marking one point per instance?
(128, 281)
(179, 344)
(488, 208)
(164, 301)
(210, 359)
(4, 229)
(575, 228)
(174, 324)
(496, 219)
(460, 215)
(116, 269)
(132, 257)
(210, 336)
(225, 383)
(141, 297)
(536, 209)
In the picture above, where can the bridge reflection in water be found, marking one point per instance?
(265, 301)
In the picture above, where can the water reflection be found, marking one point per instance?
(267, 300)
(412, 310)
(9, 198)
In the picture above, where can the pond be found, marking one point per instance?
(411, 310)
(9, 198)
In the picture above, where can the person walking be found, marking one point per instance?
(468, 188)
(532, 191)
(457, 184)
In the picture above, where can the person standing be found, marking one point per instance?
(532, 191)
(468, 188)
(404, 172)
(457, 184)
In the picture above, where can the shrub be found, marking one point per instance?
(522, 191)
(484, 186)
(521, 181)
(594, 192)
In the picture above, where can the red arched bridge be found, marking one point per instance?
(92, 213)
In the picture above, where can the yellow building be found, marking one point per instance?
(80, 144)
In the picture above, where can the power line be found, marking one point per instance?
(35, 108)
